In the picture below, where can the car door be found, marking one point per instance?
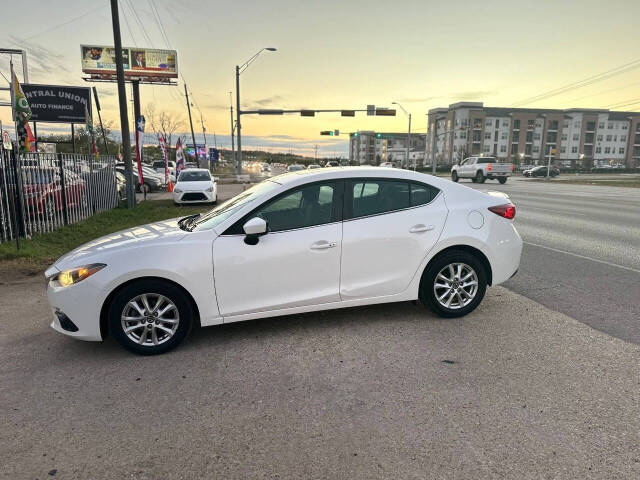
(296, 263)
(388, 229)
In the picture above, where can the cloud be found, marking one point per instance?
(267, 101)
(473, 94)
(41, 58)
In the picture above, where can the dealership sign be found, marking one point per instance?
(56, 103)
(99, 60)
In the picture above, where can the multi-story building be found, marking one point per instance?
(569, 137)
(373, 148)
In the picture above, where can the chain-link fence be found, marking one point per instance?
(40, 192)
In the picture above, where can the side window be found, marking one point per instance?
(303, 207)
(422, 194)
(371, 197)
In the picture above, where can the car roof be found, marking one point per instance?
(196, 170)
(300, 177)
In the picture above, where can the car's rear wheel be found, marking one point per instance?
(149, 317)
(480, 177)
(453, 284)
(502, 180)
(454, 176)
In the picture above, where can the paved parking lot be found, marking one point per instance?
(512, 391)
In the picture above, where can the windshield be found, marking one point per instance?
(194, 176)
(219, 214)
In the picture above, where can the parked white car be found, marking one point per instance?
(299, 242)
(479, 169)
(195, 185)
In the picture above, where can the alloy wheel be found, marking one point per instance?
(150, 319)
(455, 286)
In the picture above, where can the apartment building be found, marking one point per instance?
(373, 148)
(568, 138)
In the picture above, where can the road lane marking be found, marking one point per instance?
(583, 257)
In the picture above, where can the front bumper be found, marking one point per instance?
(195, 197)
(79, 303)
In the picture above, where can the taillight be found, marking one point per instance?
(488, 167)
(508, 210)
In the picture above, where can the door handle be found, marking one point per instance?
(322, 245)
(421, 228)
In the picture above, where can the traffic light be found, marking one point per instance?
(307, 113)
(327, 132)
(348, 113)
(378, 135)
(355, 134)
(386, 112)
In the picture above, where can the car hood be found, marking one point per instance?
(164, 232)
(194, 186)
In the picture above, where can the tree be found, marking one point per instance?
(163, 123)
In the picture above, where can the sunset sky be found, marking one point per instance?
(345, 54)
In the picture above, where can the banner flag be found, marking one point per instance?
(179, 157)
(139, 140)
(21, 112)
(163, 149)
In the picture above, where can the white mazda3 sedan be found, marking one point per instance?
(195, 185)
(299, 242)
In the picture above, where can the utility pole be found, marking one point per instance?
(193, 137)
(233, 149)
(122, 100)
(238, 125)
(315, 157)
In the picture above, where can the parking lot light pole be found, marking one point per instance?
(239, 70)
(408, 132)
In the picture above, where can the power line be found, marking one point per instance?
(55, 27)
(139, 22)
(581, 83)
(158, 20)
(624, 103)
(126, 21)
(602, 92)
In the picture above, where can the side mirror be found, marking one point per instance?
(253, 229)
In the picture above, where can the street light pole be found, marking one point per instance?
(239, 70)
(233, 148)
(408, 131)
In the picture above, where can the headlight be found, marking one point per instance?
(210, 189)
(177, 190)
(75, 275)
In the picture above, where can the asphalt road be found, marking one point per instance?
(511, 391)
(582, 251)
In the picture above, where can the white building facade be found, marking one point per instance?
(373, 148)
(529, 135)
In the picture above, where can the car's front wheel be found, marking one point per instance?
(453, 284)
(149, 317)
(454, 176)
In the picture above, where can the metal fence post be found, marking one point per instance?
(63, 186)
(20, 228)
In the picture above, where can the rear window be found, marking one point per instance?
(377, 196)
(486, 160)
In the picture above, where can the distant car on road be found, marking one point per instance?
(387, 165)
(312, 166)
(479, 169)
(295, 168)
(332, 163)
(541, 171)
(195, 185)
(308, 241)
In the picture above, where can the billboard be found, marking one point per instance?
(58, 103)
(202, 151)
(143, 62)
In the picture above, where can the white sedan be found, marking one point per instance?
(195, 185)
(299, 242)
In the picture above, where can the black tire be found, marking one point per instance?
(473, 179)
(428, 295)
(454, 176)
(151, 287)
(502, 180)
(480, 177)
